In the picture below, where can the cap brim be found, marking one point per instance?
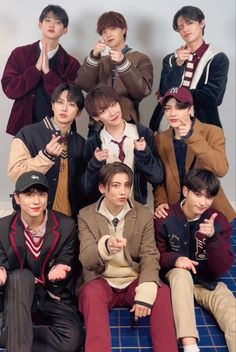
(24, 188)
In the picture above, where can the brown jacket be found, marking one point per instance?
(205, 149)
(133, 79)
(140, 252)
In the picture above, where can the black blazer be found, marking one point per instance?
(59, 246)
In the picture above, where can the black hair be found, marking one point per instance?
(36, 187)
(59, 13)
(198, 180)
(74, 94)
(107, 171)
(188, 13)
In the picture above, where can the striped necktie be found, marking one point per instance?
(121, 154)
(115, 221)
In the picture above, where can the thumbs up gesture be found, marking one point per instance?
(207, 227)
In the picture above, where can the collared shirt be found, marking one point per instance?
(58, 129)
(118, 216)
(102, 209)
(36, 235)
(131, 133)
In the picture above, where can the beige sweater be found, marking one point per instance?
(119, 269)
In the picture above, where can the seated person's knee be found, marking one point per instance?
(21, 279)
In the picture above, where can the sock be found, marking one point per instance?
(191, 348)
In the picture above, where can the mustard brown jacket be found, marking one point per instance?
(205, 149)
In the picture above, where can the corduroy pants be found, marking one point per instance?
(97, 297)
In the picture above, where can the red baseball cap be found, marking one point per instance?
(182, 94)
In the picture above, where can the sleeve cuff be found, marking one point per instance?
(123, 66)
(214, 241)
(93, 60)
(146, 292)
(49, 156)
(102, 248)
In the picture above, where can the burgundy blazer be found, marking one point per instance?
(21, 78)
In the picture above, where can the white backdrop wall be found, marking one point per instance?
(149, 30)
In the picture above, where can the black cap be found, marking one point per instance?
(29, 179)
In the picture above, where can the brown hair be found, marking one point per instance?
(109, 170)
(111, 19)
(99, 99)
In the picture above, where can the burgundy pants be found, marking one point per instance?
(97, 297)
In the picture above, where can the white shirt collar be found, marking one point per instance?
(50, 53)
(102, 209)
(57, 128)
(130, 131)
(42, 228)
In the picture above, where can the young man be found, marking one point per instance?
(33, 71)
(119, 140)
(188, 144)
(53, 148)
(37, 261)
(128, 71)
(195, 65)
(120, 261)
(194, 242)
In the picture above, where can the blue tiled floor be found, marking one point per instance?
(136, 339)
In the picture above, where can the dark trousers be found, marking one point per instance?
(63, 331)
(97, 297)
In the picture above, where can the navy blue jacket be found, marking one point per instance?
(175, 240)
(207, 87)
(36, 137)
(147, 166)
